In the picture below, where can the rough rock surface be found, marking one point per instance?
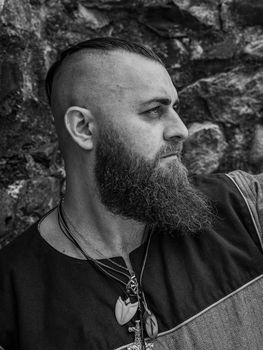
(204, 148)
(213, 50)
(256, 152)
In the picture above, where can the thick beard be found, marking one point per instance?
(144, 191)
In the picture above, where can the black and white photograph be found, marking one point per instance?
(131, 174)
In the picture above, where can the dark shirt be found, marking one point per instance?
(52, 301)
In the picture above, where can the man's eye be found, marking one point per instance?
(154, 112)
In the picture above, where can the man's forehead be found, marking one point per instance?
(121, 71)
(116, 73)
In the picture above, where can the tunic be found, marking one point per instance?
(206, 290)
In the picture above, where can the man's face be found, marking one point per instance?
(138, 170)
(137, 96)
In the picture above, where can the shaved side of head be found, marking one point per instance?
(85, 74)
(73, 83)
(83, 80)
(68, 69)
(80, 81)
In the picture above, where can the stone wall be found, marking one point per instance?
(214, 53)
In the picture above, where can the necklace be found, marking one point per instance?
(137, 338)
(68, 222)
(65, 229)
(125, 309)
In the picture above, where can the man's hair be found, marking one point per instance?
(102, 44)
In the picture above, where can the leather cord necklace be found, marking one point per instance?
(65, 220)
(125, 310)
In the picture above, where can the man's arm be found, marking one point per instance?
(251, 188)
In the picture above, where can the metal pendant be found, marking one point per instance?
(132, 287)
(125, 310)
(139, 343)
(150, 323)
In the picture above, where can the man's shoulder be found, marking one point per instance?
(20, 249)
(238, 188)
(244, 179)
(210, 184)
(246, 182)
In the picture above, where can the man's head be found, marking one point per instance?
(115, 110)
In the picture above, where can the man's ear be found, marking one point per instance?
(80, 124)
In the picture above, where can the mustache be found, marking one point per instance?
(173, 148)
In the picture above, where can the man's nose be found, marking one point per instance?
(175, 128)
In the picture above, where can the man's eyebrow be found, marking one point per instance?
(162, 100)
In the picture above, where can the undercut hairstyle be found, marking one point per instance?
(100, 44)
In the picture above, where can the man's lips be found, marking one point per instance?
(171, 151)
(171, 154)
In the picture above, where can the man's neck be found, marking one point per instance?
(101, 233)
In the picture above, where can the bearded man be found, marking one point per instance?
(136, 255)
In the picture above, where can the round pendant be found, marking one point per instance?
(151, 324)
(125, 310)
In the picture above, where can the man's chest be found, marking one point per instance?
(197, 290)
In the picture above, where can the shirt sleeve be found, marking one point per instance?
(251, 188)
